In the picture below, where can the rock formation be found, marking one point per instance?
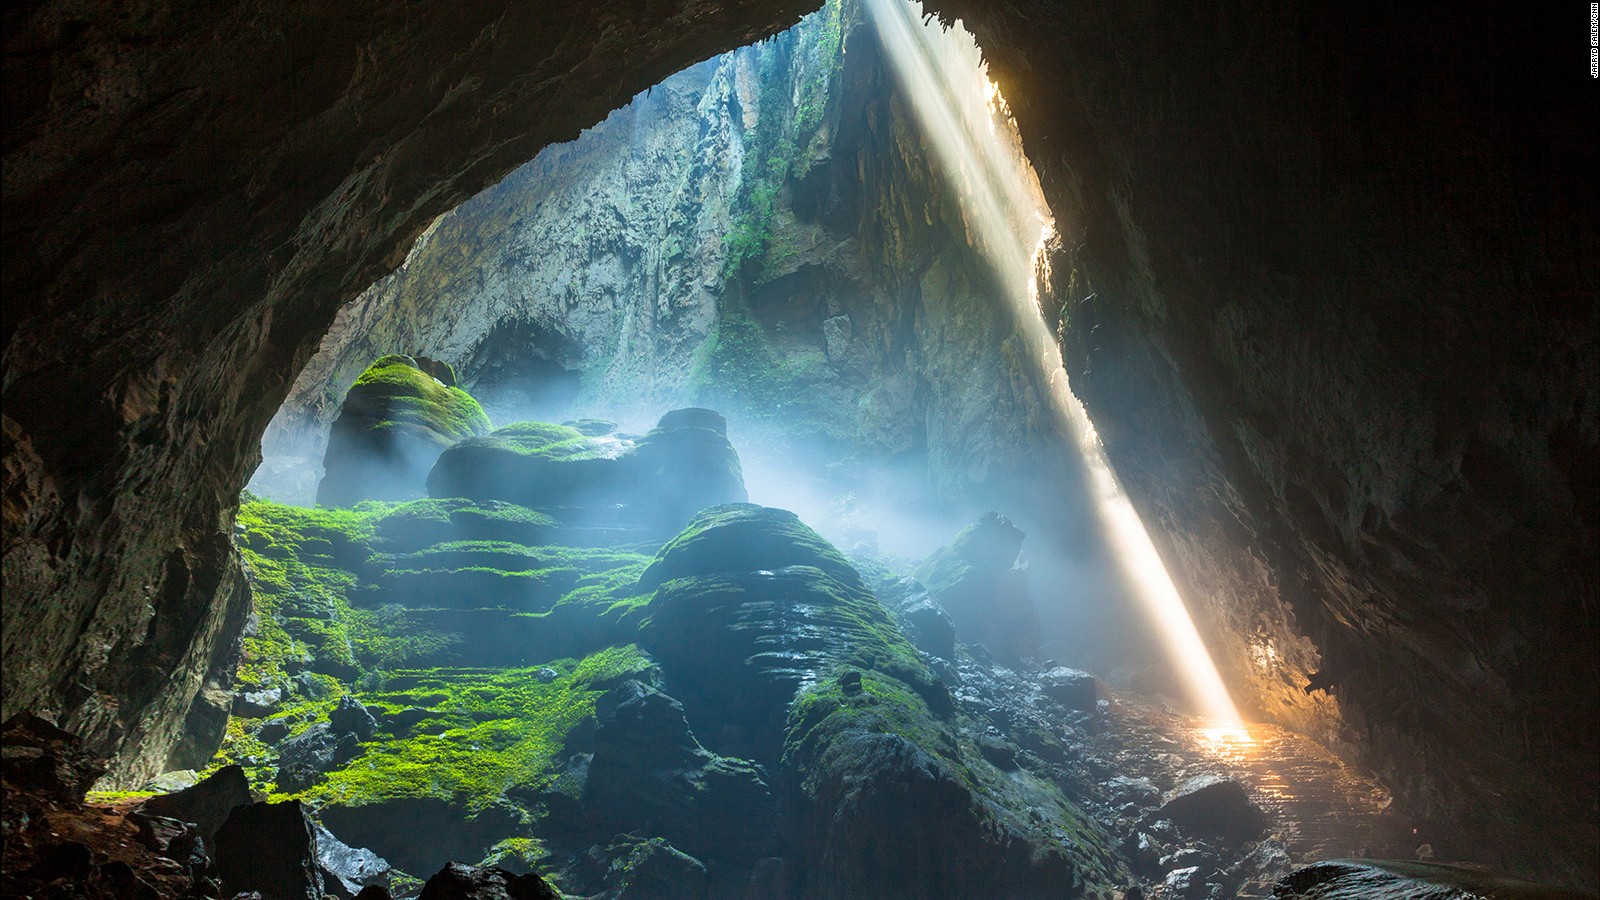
(400, 414)
(980, 580)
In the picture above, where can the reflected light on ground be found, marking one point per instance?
(968, 127)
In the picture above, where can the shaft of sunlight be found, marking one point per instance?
(967, 126)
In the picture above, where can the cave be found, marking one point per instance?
(1323, 278)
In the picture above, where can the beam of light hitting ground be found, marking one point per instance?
(966, 124)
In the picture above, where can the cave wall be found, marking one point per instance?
(1329, 293)
(1328, 289)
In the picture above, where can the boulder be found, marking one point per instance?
(1213, 806)
(352, 717)
(982, 584)
(655, 870)
(347, 871)
(270, 848)
(659, 480)
(1073, 689)
(206, 805)
(396, 420)
(306, 757)
(458, 881)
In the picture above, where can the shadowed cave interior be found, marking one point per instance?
(708, 452)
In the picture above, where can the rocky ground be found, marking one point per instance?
(582, 655)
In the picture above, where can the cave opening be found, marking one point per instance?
(705, 509)
(834, 240)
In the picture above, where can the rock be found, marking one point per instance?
(683, 465)
(1073, 689)
(347, 871)
(1382, 879)
(649, 770)
(258, 703)
(883, 818)
(395, 421)
(592, 427)
(374, 892)
(306, 757)
(47, 759)
(980, 582)
(168, 782)
(926, 623)
(1141, 791)
(352, 717)
(1213, 806)
(457, 881)
(652, 869)
(744, 537)
(206, 804)
(271, 848)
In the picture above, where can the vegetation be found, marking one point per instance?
(399, 396)
(486, 731)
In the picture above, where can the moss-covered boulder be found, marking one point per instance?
(745, 537)
(981, 582)
(589, 476)
(397, 418)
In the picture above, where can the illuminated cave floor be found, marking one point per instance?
(1318, 807)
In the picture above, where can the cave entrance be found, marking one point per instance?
(812, 273)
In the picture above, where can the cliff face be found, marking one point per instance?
(1332, 304)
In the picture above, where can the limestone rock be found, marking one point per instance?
(271, 848)
(206, 804)
(396, 420)
(458, 881)
(979, 581)
(683, 465)
(1073, 689)
(1213, 806)
(347, 871)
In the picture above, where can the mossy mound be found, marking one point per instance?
(745, 537)
(420, 524)
(657, 482)
(396, 420)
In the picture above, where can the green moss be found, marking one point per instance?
(398, 396)
(745, 537)
(504, 728)
(539, 439)
(420, 524)
(97, 798)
